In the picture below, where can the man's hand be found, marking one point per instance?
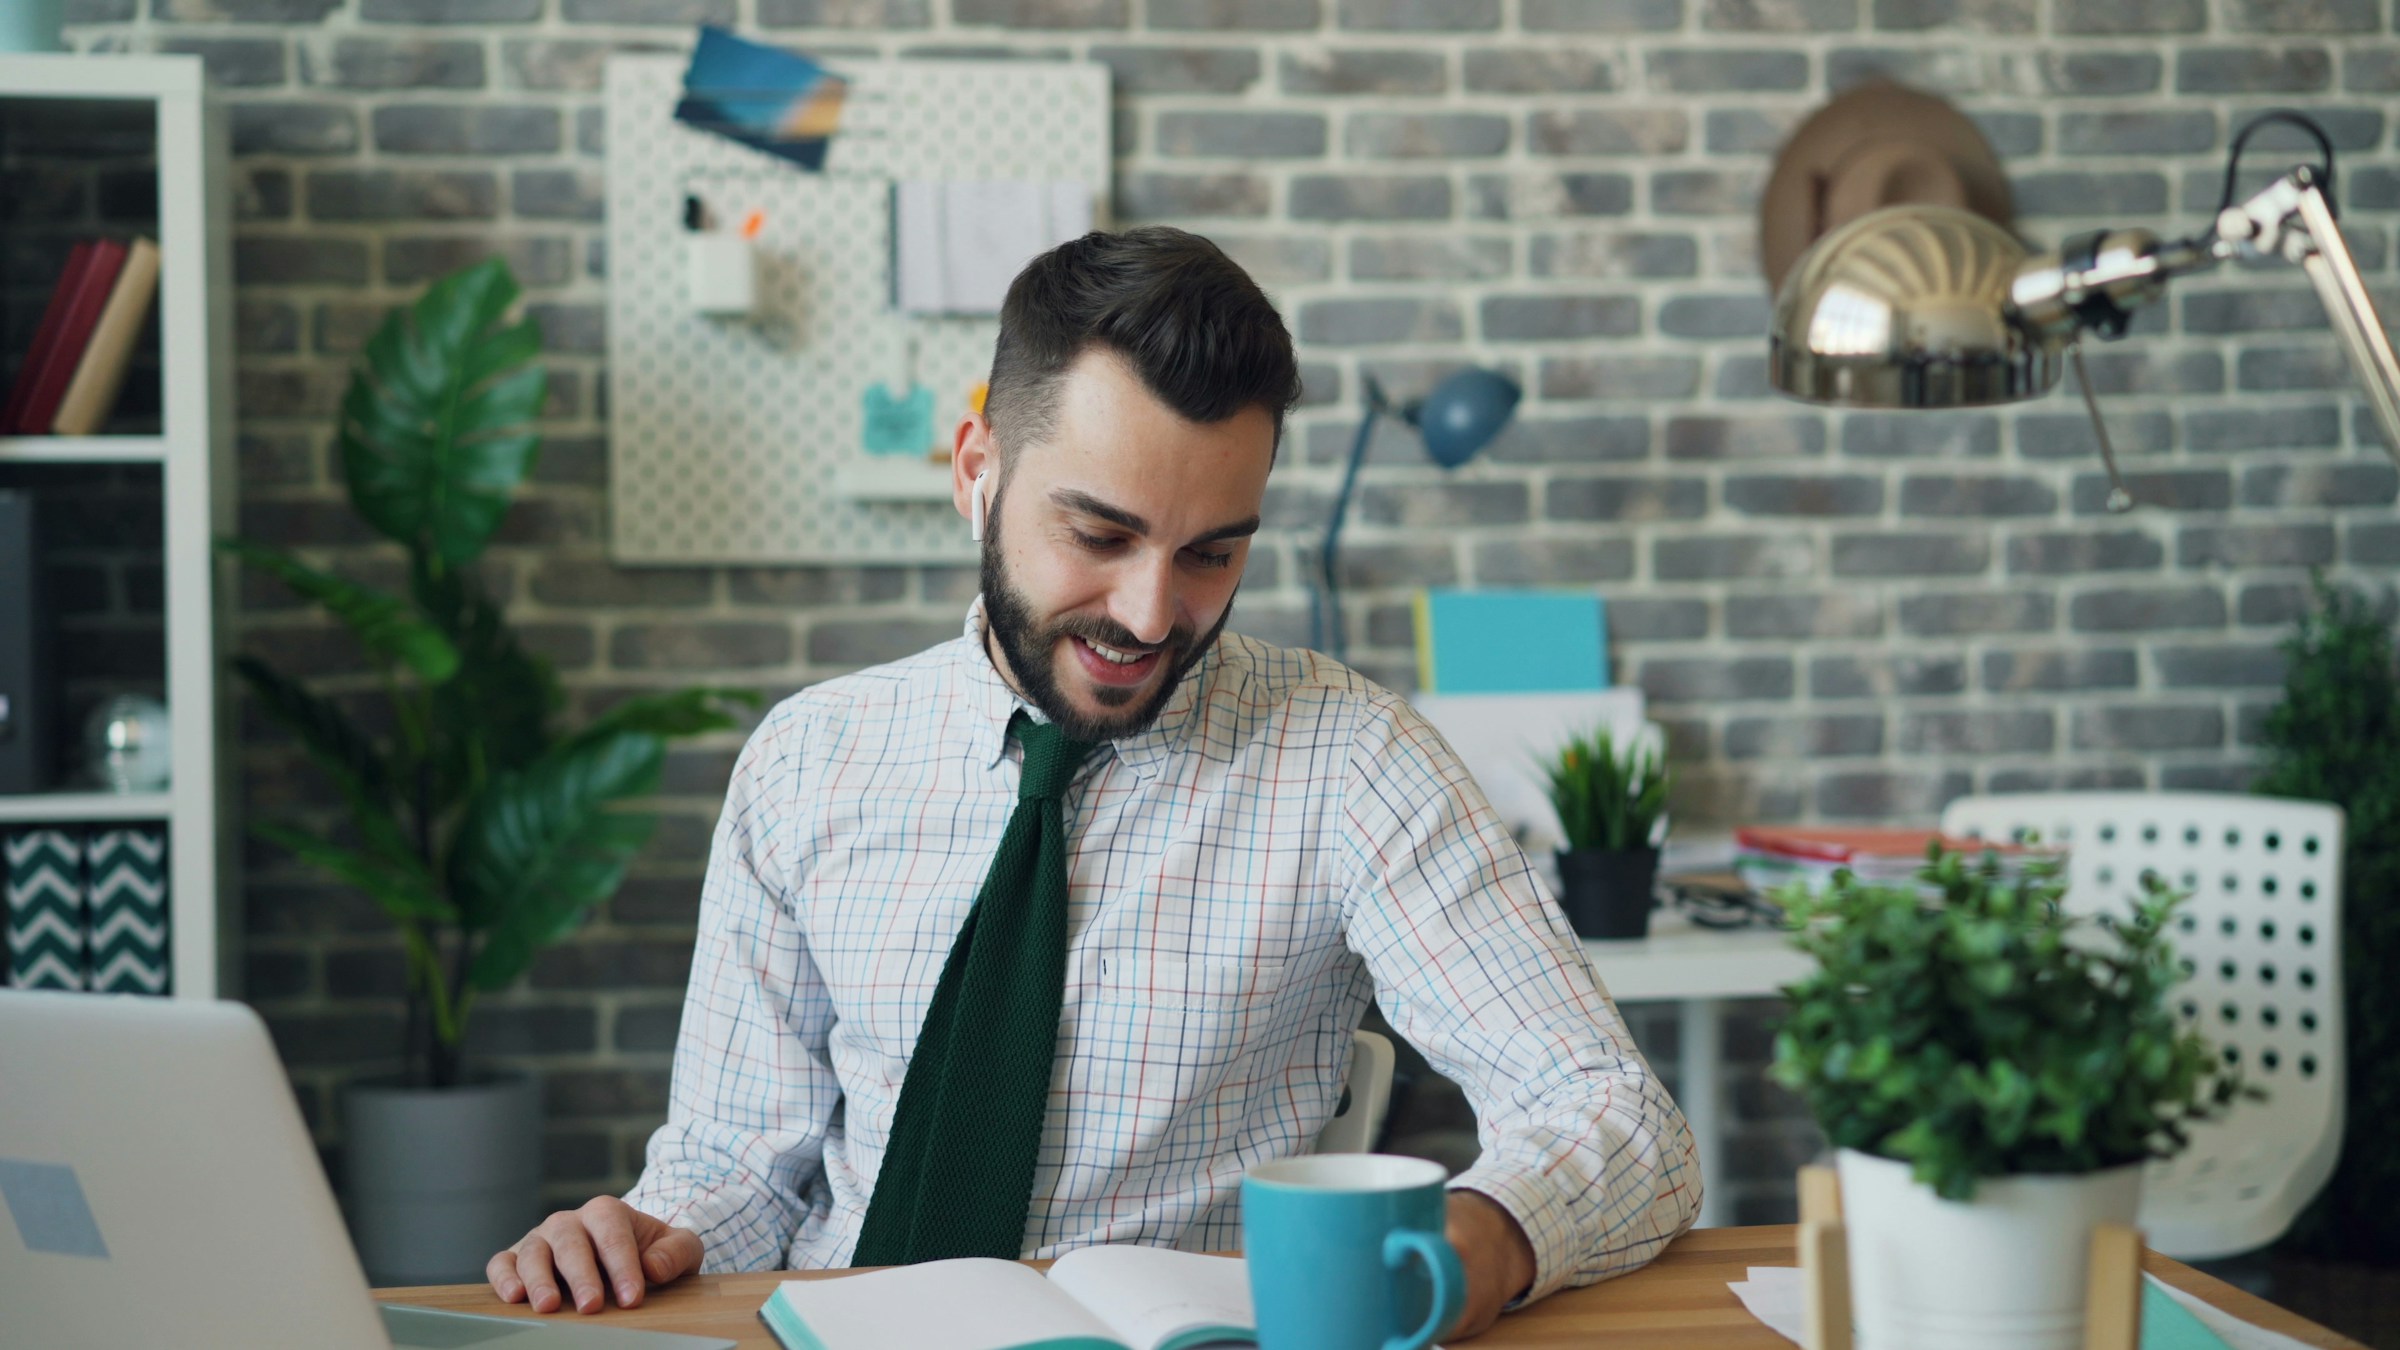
(607, 1242)
(1497, 1257)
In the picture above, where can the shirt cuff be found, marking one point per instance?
(1537, 1207)
(725, 1247)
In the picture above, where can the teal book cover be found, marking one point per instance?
(1511, 642)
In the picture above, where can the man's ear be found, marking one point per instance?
(972, 453)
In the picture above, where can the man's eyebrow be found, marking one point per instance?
(1084, 503)
(1240, 529)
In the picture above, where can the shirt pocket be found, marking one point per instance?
(1177, 984)
(1160, 1073)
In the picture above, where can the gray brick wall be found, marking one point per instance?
(1844, 616)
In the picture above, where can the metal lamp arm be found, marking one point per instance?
(2095, 282)
(1325, 617)
(2335, 274)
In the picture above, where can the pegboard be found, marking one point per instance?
(739, 440)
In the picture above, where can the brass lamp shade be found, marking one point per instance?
(1907, 307)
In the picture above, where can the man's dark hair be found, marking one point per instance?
(1188, 319)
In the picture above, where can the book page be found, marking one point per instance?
(969, 1304)
(1155, 1298)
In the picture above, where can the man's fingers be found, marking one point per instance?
(672, 1254)
(578, 1269)
(501, 1270)
(611, 1230)
(535, 1269)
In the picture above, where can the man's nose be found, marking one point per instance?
(1145, 601)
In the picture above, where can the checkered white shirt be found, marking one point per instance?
(1285, 842)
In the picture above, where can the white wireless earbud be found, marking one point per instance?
(976, 508)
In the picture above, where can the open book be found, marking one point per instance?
(1095, 1298)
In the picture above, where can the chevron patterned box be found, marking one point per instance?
(125, 873)
(49, 944)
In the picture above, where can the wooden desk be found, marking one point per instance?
(1678, 1302)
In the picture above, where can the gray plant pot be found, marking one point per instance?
(438, 1179)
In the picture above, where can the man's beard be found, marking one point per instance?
(1008, 617)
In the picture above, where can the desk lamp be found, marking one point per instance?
(1460, 417)
(1919, 305)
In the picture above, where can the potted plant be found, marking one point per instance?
(2336, 738)
(1994, 1073)
(482, 824)
(1609, 800)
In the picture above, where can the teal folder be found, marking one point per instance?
(2168, 1325)
(1511, 642)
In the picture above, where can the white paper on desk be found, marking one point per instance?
(1776, 1296)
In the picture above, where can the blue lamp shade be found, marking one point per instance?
(1464, 412)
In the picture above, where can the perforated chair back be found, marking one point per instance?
(1367, 1095)
(2262, 939)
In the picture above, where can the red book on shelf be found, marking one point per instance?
(59, 359)
(45, 336)
(92, 390)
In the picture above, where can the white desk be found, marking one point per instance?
(1698, 968)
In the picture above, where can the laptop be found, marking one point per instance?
(160, 1190)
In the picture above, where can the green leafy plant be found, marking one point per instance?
(1973, 1029)
(1608, 797)
(483, 827)
(2336, 738)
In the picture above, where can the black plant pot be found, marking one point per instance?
(1606, 892)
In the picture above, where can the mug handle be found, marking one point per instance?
(1449, 1283)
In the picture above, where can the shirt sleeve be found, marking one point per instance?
(753, 1090)
(1478, 969)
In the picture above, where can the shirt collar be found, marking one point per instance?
(993, 703)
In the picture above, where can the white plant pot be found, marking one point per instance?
(2003, 1271)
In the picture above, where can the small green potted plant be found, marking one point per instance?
(473, 816)
(2335, 737)
(1610, 800)
(1994, 1072)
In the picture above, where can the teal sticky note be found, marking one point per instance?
(51, 1214)
(2168, 1325)
(897, 425)
(1511, 642)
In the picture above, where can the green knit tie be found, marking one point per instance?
(958, 1177)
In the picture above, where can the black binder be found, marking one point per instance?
(28, 689)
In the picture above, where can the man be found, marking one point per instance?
(1039, 938)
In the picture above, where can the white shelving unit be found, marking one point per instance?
(194, 458)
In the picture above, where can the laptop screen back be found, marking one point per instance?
(159, 1186)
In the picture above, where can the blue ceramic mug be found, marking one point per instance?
(1346, 1253)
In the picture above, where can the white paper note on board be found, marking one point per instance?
(917, 247)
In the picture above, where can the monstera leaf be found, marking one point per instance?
(383, 624)
(499, 709)
(541, 846)
(437, 431)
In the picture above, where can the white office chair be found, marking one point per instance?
(2262, 936)
(1367, 1096)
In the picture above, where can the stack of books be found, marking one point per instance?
(1768, 858)
(69, 381)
